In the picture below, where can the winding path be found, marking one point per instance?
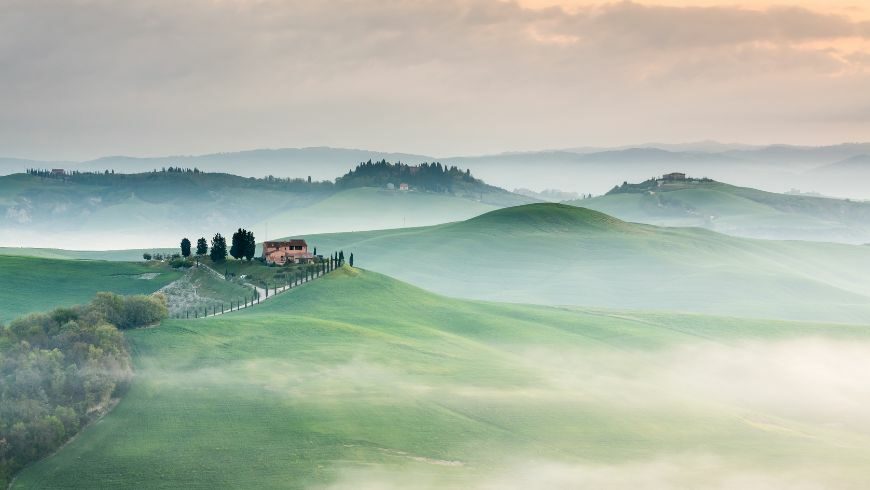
(262, 294)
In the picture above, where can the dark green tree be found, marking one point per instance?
(201, 246)
(250, 245)
(351, 260)
(185, 247)
(218, 248)
(341, 258)
(237, 250)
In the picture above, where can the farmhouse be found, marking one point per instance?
(674, 176)
(58, 171)
(283, 252)
(403, 186)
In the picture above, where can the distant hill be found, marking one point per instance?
(857, 163)
(805, 156)
(101, 211)
(318, 162)
(562, 255)
(736, 210)
(776, 168)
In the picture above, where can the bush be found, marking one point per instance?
(59, 370)
(180, 263)
(127, 312)
(146, 256)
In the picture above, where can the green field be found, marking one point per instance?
(127, 255)
(561, 255)
(739, 211)
(360, 381)
(32, 284)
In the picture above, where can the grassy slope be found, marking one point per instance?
(162, 208)
(741, 211)
(557, 254)
(133, 209)
(200, 290)
(358, 376)
(129, 255)
(35, 284)
(369, 208)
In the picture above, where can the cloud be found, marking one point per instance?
(108, 76)
(680, 27)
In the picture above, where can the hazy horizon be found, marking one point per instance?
(582, 147)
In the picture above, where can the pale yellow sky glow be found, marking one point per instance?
(851, 8)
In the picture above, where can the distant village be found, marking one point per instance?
(666, 180)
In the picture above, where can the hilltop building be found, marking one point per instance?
(283, 252)
(58, 171)
(674, 176)
(403, 187)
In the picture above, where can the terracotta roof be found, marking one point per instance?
(294, 243)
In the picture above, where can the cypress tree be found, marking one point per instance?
(250, 245)
(185, 247)
(218, 248)
(237, 250)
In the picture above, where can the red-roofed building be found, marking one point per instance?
(283, 252)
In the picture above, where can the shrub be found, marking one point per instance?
(130, 311)
(59, 370)
(180, 263)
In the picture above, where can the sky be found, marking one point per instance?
(88, 78)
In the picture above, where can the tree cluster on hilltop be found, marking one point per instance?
(59, 370)
(432, 177)
(649, 185)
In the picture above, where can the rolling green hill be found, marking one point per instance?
(562, 255)
(369, 208)
(157, 209)
(359, 381)
(32, 284)
(739, 211)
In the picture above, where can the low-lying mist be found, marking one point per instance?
(757, 415)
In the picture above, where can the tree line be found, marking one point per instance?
(433, 177)
(61, 369)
